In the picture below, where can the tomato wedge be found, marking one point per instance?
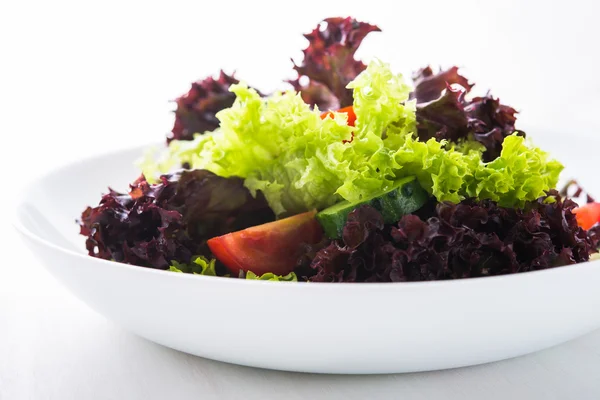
(272, 247)
(587, 215)
(348, 110)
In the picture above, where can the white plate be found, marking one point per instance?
(311, 327)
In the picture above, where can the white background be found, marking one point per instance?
(79, 78)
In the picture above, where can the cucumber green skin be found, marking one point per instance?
(393, 205)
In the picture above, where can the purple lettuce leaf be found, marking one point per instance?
(429, 86)
(329, 62)
(155, 224)
(196, 110)
(444, 112)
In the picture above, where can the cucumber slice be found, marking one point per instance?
(404, 197)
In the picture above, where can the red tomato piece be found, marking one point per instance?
(587, 215)
(348, 110)
(272, 247)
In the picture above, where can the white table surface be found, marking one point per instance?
(78, 78)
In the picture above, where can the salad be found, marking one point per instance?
(355, 174)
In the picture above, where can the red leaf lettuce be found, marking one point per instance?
(329, 62)
(156, 224)
(449, 115)
(450, 241)
(196, 110)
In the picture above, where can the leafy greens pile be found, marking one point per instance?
(252, 158)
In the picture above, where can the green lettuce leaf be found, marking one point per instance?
(281, 147)
(269, 276)
(278, 145)
(520, 174)
(380, 98)
(198, 266)
(297, 159)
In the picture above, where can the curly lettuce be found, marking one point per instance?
(300, 161)
(199, 265)
(269, 276)
(521, 173)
